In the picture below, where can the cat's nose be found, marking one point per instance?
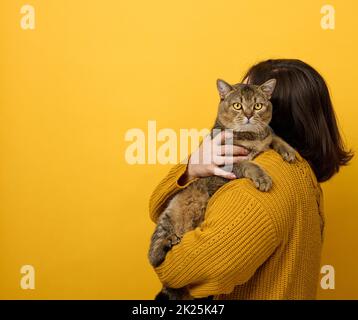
(248, 116)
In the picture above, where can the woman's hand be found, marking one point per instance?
(211, 156)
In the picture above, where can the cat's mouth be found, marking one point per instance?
(247, 126)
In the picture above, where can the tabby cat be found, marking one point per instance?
(247, 111)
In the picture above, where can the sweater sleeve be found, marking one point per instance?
(166, 189)
(235, 239)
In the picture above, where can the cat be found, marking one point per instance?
(246, 110)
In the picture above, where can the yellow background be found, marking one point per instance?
(91, 70)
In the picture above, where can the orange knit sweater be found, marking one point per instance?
(252, 244)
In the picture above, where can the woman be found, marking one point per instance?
(256, 245)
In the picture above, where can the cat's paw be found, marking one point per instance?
(263, 182)
(287, 153)
(174, 239)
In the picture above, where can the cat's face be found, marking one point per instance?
(245, 107)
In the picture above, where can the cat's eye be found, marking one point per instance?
(237, 106)
(258, 106)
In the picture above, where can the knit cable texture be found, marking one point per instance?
(252, 244)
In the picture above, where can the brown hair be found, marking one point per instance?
(303, 114)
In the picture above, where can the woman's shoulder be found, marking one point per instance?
(298, 173)
(287, 177)
(292, 184)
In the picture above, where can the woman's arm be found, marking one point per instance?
(204, 162)
(170, 185)
(236, 237)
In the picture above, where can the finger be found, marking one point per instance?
(230, 150)
(207, 138)
(222, 173)
(222, 136)
(224, 160)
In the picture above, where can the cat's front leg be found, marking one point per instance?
(259, 177)
(283, 149)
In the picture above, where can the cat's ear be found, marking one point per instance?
(223, 87)
(268, 87)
